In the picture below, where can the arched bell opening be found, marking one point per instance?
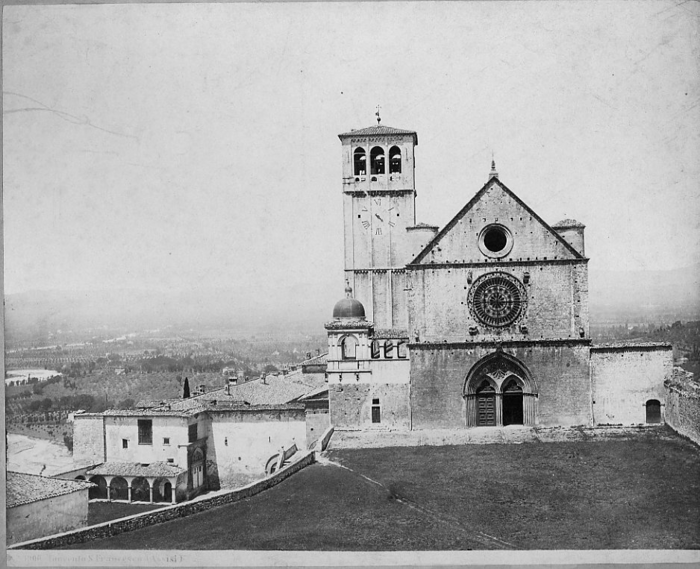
(394, 160)
(377, 160)
(360, 162)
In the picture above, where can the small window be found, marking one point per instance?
(376, 350)
(171, 460)
(401, 350)
(192, 433)
(125, 443)
(166, 440)
(145, 431)
(349, 347)
(388, 349)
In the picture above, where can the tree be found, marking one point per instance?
(186, 389)
(46, 404)
(269, 368)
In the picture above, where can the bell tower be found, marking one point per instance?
(378, 207)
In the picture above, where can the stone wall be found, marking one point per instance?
(683, 405)
(47, 517)
(559, 370)
(557, 302)
(351, 404)
(317, 421)
(88, 439)
(241, 442)
(625, 378)
(138, 521)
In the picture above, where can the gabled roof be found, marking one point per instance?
(26, 488)
(379, 130)
(492, 182)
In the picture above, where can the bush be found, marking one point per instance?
(68, 441)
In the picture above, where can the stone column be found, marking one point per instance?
(173, 484)
(150, 490)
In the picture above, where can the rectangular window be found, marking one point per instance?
(376, 412)
(192, 433)
(401, 350)
(166, 440)
(125, 443)
(145, 432)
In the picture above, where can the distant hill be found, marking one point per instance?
(620, 296)
(615, 297)
(298, 307)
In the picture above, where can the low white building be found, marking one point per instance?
(176, 449)
(39, 506)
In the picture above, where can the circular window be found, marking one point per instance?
(495, 241)
(497, 299)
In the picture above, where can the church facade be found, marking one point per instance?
(481, 323)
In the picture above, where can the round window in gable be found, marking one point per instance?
(495, 241)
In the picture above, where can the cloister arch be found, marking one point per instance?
(118, 489)
(98, 492)
(500, 390)
(140, 490)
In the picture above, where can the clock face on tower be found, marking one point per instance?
(379, 215)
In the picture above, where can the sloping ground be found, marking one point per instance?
(619, 494)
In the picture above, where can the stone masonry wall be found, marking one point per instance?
(88, 439)
(683, 407)
(625, 378)
(560, 370)
(46, 517)
(351, 405)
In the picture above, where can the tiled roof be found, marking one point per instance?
(155, 412)
(316, 392)
(316, 360)
(136, 469)
(568, 223)
(277, 389)
(378, 130)
(27, 488)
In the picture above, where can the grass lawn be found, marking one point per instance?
(638, 494)
(99, 512)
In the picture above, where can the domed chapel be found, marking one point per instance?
(481, 323)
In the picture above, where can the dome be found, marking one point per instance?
(349, 308)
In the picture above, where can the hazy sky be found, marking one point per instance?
(173, 146)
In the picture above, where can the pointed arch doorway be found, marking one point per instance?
(499, 391)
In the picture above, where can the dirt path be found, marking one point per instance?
(36, 456)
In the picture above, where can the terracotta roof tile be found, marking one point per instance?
(136, 469)
(27, 488)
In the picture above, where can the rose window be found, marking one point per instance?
(497, 299)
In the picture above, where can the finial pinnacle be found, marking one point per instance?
(348, 289)
(379, 119)
(493, 173)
